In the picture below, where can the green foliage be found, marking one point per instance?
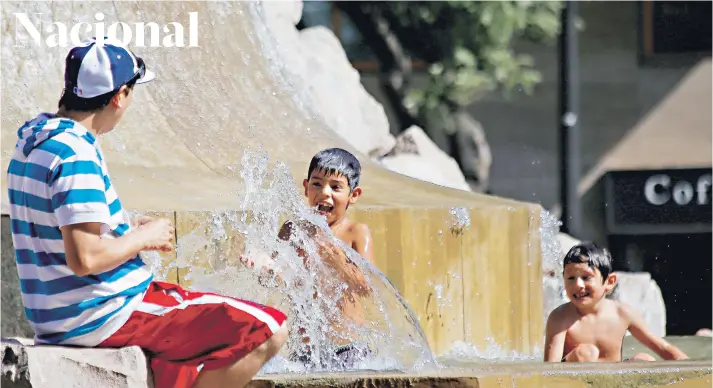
(469, 46)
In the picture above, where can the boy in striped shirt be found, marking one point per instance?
(83, 282)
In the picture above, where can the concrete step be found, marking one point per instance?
(26, 365)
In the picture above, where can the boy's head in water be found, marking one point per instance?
(332, 183)
(588, 275)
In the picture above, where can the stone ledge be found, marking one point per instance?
(26, 365)
(694, 374)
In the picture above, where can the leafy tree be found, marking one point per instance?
(467, 47)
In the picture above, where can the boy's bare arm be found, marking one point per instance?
(351, 273)
(555, 334)
(638, 328)
(335, 257)
(87, 253)
(363, 243)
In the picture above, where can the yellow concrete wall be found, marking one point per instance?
(489, 271)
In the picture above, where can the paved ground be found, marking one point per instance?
(688, 374)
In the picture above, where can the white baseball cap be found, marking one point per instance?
(94, 68)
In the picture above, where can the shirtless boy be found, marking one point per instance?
(331, 186)
(591, 328)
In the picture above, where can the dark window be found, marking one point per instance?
(682, 26)
(668, 29)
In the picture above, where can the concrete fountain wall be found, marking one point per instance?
(469, 265)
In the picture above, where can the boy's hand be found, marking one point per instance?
(639, 330)
(264, 273)
(250, 263)
(247, 262)
(158, 235)
(141, 220)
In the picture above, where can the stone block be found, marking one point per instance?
(26, 365)
(417, 156)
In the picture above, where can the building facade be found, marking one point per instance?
(645, 122)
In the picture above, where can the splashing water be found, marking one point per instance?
(460, 218)
(553, 293)
(551, 248)
(310, 294)
(323, 311)
(462, 352)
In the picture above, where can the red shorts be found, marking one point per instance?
(184, 332)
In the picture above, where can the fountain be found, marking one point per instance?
(391, 333)
(219, 143)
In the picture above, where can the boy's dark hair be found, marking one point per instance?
(591, 254)
(337, 160)
(72, 102)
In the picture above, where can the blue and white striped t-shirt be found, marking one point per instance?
(57, 176)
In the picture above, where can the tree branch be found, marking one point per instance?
(426, 43)
(395, 65)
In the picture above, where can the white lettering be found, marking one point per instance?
(178, 33)
(58, 39)
(74, 36)
(155, 32)
(683, 192)
(125, 33)
(99, 29)
(58, 34)
(658, 190)
(30, 28)
(652, 196)
(702, 188)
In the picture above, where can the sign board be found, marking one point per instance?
(658, 201)
(667, 27)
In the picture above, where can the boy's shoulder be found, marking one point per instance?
(356, 230)
(622, 309)
(562, 317)
(356, 226)
(561, 311)
(66, 142)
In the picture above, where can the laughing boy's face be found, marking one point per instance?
(328, 194)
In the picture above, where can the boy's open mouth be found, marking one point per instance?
(324, 208)
(581, 295)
